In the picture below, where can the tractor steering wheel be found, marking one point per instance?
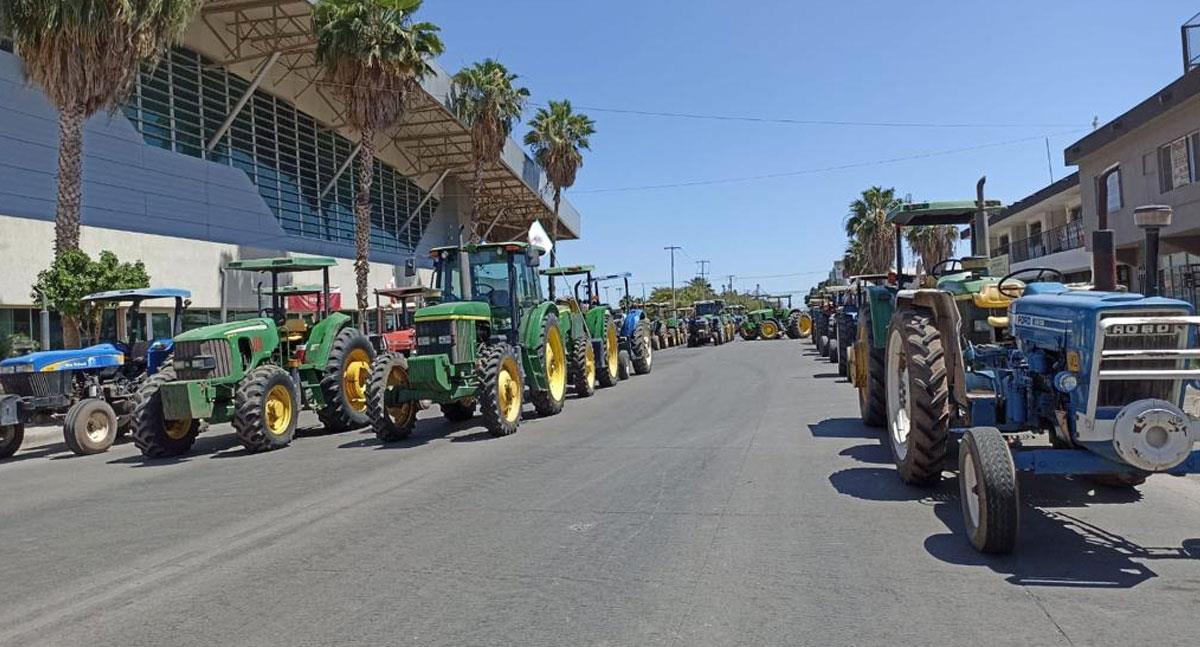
(1013, 290)
(486, 296)
(937, 271)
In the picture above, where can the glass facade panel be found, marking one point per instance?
(290, 157)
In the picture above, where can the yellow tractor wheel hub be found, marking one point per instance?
(556, 363)
(355, 377)
(278, 410)
(508, 390)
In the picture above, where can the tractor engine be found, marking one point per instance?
(1104, 371)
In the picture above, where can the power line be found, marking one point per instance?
(842, 167)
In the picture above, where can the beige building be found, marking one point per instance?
(1045, 229)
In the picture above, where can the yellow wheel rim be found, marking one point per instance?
(508, 390)
(805, 325)
(177, 429)
(278, 409)
(612, 349)
(769, 329)
(590, 363)
(354, 379)
(403, 412)
(556, 364)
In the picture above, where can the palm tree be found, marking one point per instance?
(485, 98)
(854, 259)
(85, 55)
(557, 136)
(865, 223)
(375, 56)
(932, 244)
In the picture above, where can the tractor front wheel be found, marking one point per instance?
(344, 382)
(154, 435)
(768, 329)
(987, 487)
(552, 357)
(643, 349)
(793, 326)
(11, 437)
(90, 427)
(918, 397)
(266, 406)
(583, 366)
(501, 390)
(390, 421)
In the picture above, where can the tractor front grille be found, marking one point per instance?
(1120, 392)
(218, 349)
(435, 337)
(37, 385)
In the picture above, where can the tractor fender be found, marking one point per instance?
(882, 303)
(949, 323)
(595, 322)
(631, 321)
(531, 334)
(320, 339)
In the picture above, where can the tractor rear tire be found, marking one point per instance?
(11, 437)
(823, 346)
(395, 423)
(919, 421)
(501, 390)
(552, 357)
(793, 326)
(90, 427)
(609, 368)
(987, 487)
(460, 411)
(344, 383)
(266, 405)
(155, 436)
(583, 367)
(624, 365)
(642, 349)
(843, 346)
(872, 395)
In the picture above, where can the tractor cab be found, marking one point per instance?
(295, 310)
(392, 327)
(490, 283)
(145, 350)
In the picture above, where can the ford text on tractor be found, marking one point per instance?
(602, 325)
(95, 387)
(491, 342)
(259, 373)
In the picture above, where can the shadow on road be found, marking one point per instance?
(1055, 548)
(427, 430)
(870, 453)
(842, 428)
(212, 446)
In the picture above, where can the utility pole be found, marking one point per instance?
(730, 277)
(672, 248)
(703, 265)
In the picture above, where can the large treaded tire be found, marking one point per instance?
(388, 428)
(249, 409)
(543, 401)
(607, 373)
(642, 349)
(994, 494)
(148, 427)
(584, 384)
(491, 359)
(76, 427)
(793, 326)
(823, 346)
(922, 455)
(11, 437)
(340, 413)
(872, 396)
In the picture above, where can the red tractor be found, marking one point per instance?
(392, 328)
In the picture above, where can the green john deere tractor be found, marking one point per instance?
(602, 327)
(259, 373)
(490, 339)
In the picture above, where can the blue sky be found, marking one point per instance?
(1047, 67)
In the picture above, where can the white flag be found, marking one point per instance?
(539, 238)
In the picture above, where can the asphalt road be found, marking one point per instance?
(730, 498)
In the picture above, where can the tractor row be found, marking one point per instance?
(996, 375)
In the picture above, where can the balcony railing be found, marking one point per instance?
(1051, 241)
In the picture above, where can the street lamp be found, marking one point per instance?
(1151, 219)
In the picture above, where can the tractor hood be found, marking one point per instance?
(227, 329)
(476, 310)
(98, 356)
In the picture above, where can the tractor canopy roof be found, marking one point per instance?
(478, 246)
(952, 212)
(139, 294)
(409, 292)
(835, 289)
(568, 270)
(283, 264)
(293, 290)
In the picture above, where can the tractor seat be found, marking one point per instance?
(294, 330)
(989, 297)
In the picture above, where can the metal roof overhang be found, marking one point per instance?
(430, 140)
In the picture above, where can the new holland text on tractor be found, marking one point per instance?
(259, 373)
(602, 326)
(95, 386)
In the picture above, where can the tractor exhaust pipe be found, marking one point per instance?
(1152, 218)
(1104, 261)
(980, 244)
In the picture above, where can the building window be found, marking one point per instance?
(290, 157)
(1075, 213)
(1177, 162)
(1108, 188)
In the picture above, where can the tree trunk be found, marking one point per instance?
(70, 178)
(71, 332)
(476, 191)
(362, 222)
(554, 229)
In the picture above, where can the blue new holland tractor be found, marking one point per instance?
(634, 333)
(95, 386)
(985, 367)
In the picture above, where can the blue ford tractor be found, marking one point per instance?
(95, 387)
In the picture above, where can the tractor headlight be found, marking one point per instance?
(200, 363)
(445, 339)
(425, 341)
(1066, 381)
(16, 368)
